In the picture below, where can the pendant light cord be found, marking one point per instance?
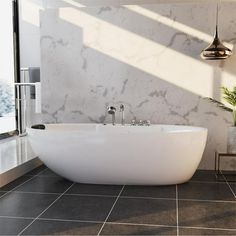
(217, 18)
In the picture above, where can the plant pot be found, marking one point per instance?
(231, 143)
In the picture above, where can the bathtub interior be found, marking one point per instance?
(86, 127)
(71, 127)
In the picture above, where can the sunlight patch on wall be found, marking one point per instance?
(30, 12)
(142, 53)
(171, 23)
(74, 3)
(228, 79)
(174, 24)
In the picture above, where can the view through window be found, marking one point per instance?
(7, 103)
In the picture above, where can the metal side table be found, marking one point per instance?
(218, 157)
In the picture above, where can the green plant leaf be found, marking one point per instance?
(229, 96)
(219, 104)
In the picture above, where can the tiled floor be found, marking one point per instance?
(43, 203)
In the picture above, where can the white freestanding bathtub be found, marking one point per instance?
(107, 154)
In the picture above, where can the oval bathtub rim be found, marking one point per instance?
(100, 128)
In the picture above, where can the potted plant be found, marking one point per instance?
(230, 97)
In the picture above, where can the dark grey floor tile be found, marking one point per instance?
(96, 189)
(24, 204)
(206, 176)
(48, 173)
(207, 214)
(15, 183)
(193, 231)
(46, 185)
(150, 191)
(37, 170)
(12, 226)
(233, 187)
(230, 176)
(72, 207)
(231, 179)
(144, 211)
(2, 193)
(49, 227)
(205, 191)
(121, 229)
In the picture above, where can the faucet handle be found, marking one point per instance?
(122, 107)
(141, 122)
(133, 122)
(147, 122)
(111, 110)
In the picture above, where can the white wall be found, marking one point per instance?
(29, 24)
(29, 11)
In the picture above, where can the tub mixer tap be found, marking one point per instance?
(112, 111)
(122, 110)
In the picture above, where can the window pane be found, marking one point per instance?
(7, 103)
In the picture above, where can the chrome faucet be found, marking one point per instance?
(21, 108)
(122, 110)
(134, 122)
(112, 111)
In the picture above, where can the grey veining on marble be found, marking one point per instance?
(144, 56)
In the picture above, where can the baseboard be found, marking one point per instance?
(18, 171)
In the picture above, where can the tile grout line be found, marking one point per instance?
(140, 224)
(207, 182)
(177, 210)
(228, 184)
(117, 223)
(204, 200)
(128, 197)
(208, 228)
(39, 193)
(99, 232)
(75, 221)
(12, 190)
(170, 226)
(150, 198)
(17, 217)
(67, 194)
(46, 176)
(46, 209)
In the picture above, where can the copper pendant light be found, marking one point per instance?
(216, 50)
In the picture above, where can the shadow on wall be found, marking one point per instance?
(186, 33)
(94, 64)
(190, 26)
(177, 32)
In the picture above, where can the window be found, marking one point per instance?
(7, 68)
